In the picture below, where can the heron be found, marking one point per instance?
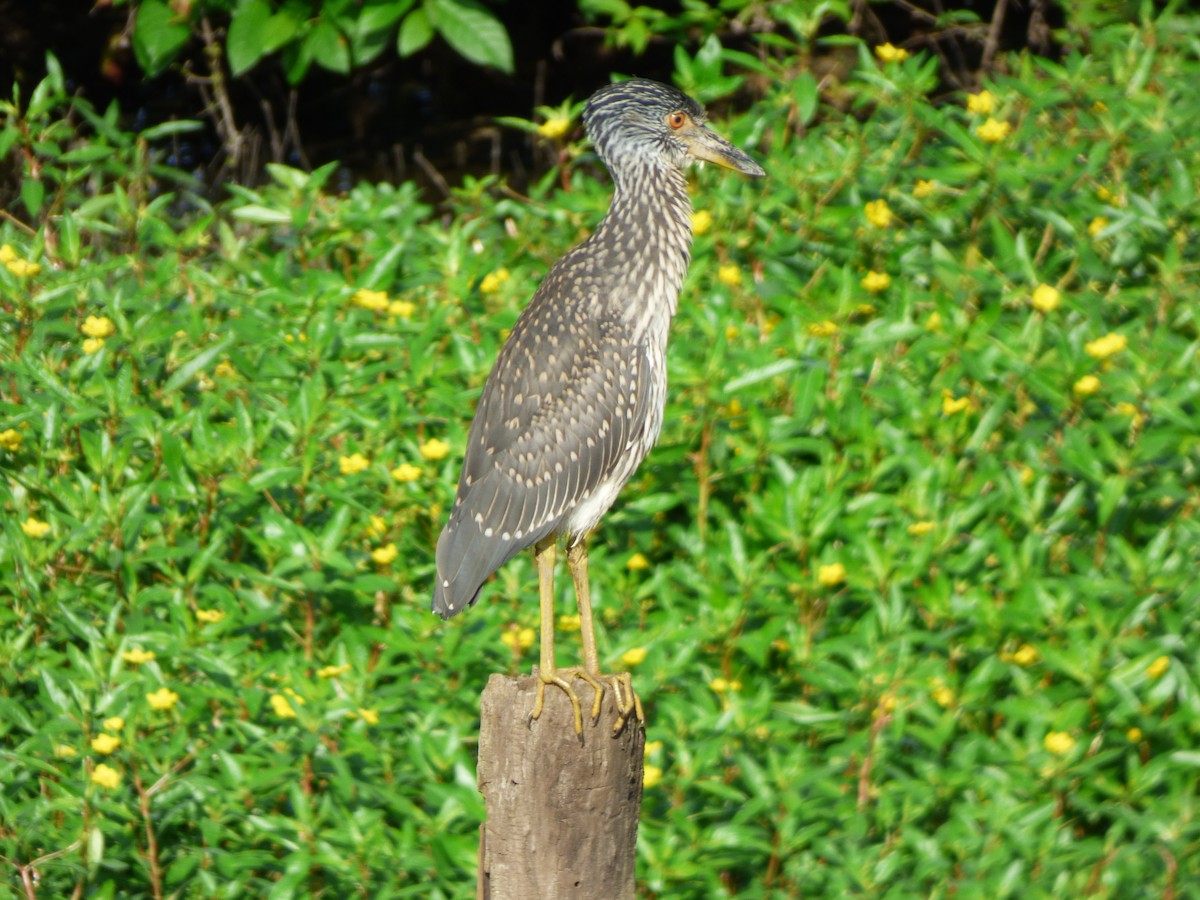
(575, 399)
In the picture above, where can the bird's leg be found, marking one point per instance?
(547, 672)
(627, 699)
(577, 563)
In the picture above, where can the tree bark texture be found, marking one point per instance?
(562, 816)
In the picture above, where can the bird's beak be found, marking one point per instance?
(704, 143)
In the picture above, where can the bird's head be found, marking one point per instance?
(643, 122)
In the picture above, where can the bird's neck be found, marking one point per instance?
(649, 227)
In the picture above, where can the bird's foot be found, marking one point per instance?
(628, 702)
(545, 678)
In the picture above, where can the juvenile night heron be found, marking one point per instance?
(575, 400)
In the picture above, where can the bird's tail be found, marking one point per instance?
(457, 583)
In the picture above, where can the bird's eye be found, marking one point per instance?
(677, 120)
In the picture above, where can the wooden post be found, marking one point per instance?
(561, 817)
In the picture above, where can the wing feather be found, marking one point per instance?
(530, 422)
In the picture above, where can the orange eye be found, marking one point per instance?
(677, 120)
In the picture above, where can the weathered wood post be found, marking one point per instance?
(561, 817)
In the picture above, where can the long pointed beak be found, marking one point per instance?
(704, 143)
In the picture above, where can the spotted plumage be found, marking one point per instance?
(575, 400)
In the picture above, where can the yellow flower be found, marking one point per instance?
(555, 127)
(1045, 298)
(921, 528)
(383, 556)
(952, 405)
(1109, 345)
(406, 472)
(106, 776)
(291, 693)
(376, 301)
(1086, 386)
(34, 528)
(934, 322)
(701, 221)
(334, 671)
(731, 332)
(879, 213)
(924, 188)
(887, 53)
(376, 526)
(651, 776)
(370, 716)
(724, 686)
(105, 743)
(114, 723)
(209, 616)
(1026, 655)
(1097, 225)
(831, 575)
(353, 464)
(1134, 734)
(514, 637)
(98, 327)
(1027, 475)
(729, 275)
(1158, 668)
(7, 253)
(402, 308)
(22, 267)
(92, 345)
(64, 751)
(633, 656)
(137, 656)
(433, 450)
(10, 440)
(876, 281)
(943, 696)
(224, 369)
(282, 707)
(1125, 408)
(652, 747)
(993, 131)
(827, 328)
(982, 104)
(492, 281)
(569, 623)
(163, 699)
(637, 563)
(1059, 742)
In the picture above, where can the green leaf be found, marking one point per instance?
(195, 365)
(262, 215)
(329, 47)
(33, 192)
(158, 35)
(473, 32)
(415, 33)
(247, 41)
(170, 129)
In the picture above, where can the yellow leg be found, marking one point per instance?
(547, 672)
(627, 699)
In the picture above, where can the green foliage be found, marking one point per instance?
(921, 614)
(335, 35)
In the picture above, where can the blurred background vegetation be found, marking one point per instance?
(399, 89)
(909, 585)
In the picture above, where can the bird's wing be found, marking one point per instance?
(553, 422)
